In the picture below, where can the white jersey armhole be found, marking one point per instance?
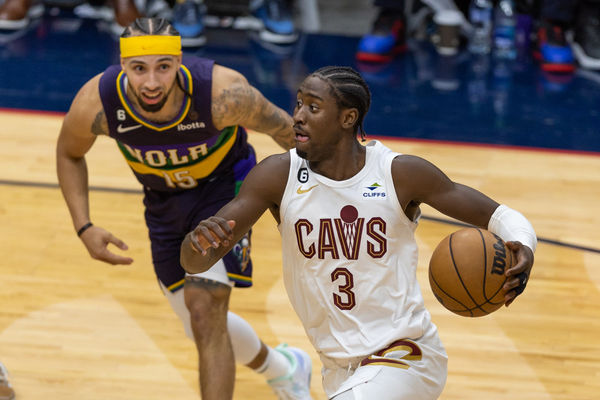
(294, 161)
(388, 160)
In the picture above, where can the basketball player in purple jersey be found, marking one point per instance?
(347, 215)
(180, 124)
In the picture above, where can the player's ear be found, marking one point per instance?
(349, 117)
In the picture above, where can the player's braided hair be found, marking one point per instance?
(150, 26)
(350, 91)
(154, 26)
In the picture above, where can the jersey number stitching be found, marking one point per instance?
(349, 301)
(181, 179)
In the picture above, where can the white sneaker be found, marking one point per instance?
(296, 384)
(6, 390)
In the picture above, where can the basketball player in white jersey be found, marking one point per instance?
(347, 215)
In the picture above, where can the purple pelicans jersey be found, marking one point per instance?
(174, 155)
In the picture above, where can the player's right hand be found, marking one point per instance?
(97, 239)
(517, 275)
(211, 232)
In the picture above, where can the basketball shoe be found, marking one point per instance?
(6, 390)
(386, 39)
(187, 19)
(296, 384)
(552, 50)
(277, 24)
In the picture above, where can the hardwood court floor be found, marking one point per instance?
(72, 328)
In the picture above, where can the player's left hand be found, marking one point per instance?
(518, 275)
(211, 232)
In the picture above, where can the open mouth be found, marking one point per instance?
(301, 136)
(151, 99)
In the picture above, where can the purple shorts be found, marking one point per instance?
(171, 215)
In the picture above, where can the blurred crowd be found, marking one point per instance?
(272, 19)
(562, 34)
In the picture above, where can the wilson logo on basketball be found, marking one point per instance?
(499, 263)
(341, 237)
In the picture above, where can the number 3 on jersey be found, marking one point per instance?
(346, 300)
(180, 179)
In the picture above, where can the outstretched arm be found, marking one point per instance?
(418, 181)
(236, 102)
(215, 236)
(82, 124)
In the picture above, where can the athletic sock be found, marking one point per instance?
(275, 365)
(244, 340)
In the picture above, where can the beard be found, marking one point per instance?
(301, 153)
(153, 108)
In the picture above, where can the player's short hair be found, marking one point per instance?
(350, 91)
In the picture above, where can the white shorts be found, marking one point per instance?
(216, 273)
(407, 370)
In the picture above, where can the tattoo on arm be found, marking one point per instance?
(242, 104)
(100, 124)
(280, 128)
(231, 107)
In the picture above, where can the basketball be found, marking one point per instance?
(466, 272)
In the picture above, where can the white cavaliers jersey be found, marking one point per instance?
(350, 258)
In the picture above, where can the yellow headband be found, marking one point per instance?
(134, 46)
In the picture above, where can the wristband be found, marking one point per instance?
(511, 225)
(84, 228)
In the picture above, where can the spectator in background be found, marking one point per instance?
(555, 47)
(586, 43)
(395, 21)
(275, 16)
(552, 49)
(388, 34)
(18, 14)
